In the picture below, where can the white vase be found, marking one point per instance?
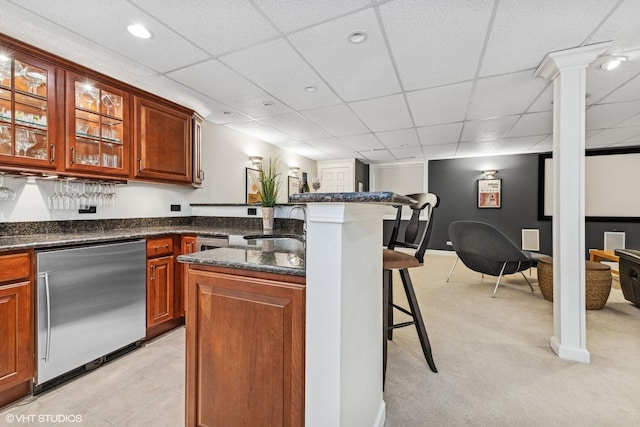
(267, 219)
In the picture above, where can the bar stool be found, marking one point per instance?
(395, 260)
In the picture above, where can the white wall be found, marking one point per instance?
(225, 155)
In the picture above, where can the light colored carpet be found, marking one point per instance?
(496, 367)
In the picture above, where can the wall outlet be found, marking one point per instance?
(252, 211)
(176, 208)
(90, 209)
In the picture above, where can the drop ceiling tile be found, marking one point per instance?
(215, 26)
(295, 125)
(446, 104)
(439, 151)
(621, 26)
(436, 42)
(488, 129)
(474, 149)
(106, 24)
(543, 146)
(634, 143)
(331, 145)
(533, 124)
(236, 91)
(524, 32)
(378, 156)
(602, 116)
(284, 78)
(260, 131)
(613, 136)
(294, 15)
(629, 91)
(306, 150)
(338, 120)
(399, 138)
(632, 121)
(364, 142)
(619, 85)
(380, 114)
(440, 134)
(354, 71)
(505, 95)
(544, 102)
(517, 145)
(406, 153)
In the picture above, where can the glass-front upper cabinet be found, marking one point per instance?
(27, 106)
(97, 127)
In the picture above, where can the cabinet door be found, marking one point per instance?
(160, 291)
(245, 351)
(16, 334)
(97, 127)
(188, 246)
(162, 142)
(28, 112)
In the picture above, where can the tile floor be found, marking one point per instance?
(142, 388)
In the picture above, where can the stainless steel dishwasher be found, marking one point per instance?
(91, 303)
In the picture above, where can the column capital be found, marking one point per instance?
(577, 57)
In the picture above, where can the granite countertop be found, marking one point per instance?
(277, 255)
(40, 241)
(376, 197)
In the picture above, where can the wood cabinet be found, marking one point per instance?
(162, 137)
(188, 246)
(245, 348)
(161, 286)
(197, 173)
(28, 113)
(16, 325)
(97, 127)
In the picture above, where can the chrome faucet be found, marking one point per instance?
(304, 216)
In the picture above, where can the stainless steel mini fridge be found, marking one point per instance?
(91, 301)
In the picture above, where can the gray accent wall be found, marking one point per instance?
(362, 175)
(454, 181)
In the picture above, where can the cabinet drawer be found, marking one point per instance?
(15, 267)
(159, 246)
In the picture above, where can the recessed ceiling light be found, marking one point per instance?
(310, 88)
(139, 31)
(268, 104)
(613, 63)
(357, 37)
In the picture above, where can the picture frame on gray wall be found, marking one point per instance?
(489, 193)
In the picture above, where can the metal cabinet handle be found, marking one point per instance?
(52, 158)
(140, 165)
(201, 175)
(48, 306)
(166, 246)
(153, 272)
(73, 155)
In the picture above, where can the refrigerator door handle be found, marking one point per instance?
(47, 294)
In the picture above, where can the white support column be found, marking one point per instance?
(343, 372)
(567, 69)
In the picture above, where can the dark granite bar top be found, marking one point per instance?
(47, 240)
(280, 255)
(377, 197)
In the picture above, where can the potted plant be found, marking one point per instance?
(269, 189)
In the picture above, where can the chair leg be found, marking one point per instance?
(452, 267)
(389, 303)
(386, 284)
(417, 317)
(528, 282)
(498, 282)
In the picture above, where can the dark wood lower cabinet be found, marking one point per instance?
(245, 348)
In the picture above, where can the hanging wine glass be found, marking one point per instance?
(116, 101)
(6, 193)
(5, 135)
(34, 80)
(107, 101)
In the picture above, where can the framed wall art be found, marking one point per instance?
(294, 185)
(252, 185)
(489, 193)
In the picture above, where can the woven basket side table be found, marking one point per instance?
(597, 282)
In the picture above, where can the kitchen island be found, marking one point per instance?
(341, 312)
